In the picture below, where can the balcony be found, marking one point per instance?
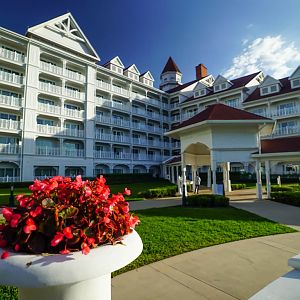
(166, 119)
(174, 105)
(50, 88)
(11, 77)
(165, 106)
(139, 126)
(139, 111)
(102, 154)
(175, 144)
(121, 122)
(74, 75)
(103, 102)
(154, 102)
(73, 113)
(153, 115)
(73, 152)
(120, 90)
(103, 85)
(102, 136)
(10, 124)
(74, 132)
(139, 156)
(12, 55)
(74, 94)
(9, 179)
(136, 96)
(138, 141)
(9, 149)
(154, 129)
(103, 119)
(47, 151)
(51, 109)
(47, 129)
(11, 101)
(286, 131)
(188, 115)
(286, 112)
(120, 106)
(51, 68)
(121, 138)
(154, 143)
(122, 155)
(175, 118)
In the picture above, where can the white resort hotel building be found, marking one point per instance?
(64, 113)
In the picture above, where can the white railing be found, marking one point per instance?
(102, 136)
(10, 124)
(47, 151)
(50, 68)
(167, 144)
(73, 152)
(120, 90)
(121, 122)
(122, 155)
(121, 138)
(102, 154)
(9, 179)
(154, 102)
(10, 100)
(9, 149)
(12, 55)
(154, 143)
(47, 129)
(165, 105)
(51, 88)
(140, 126)
(74, 75)
(52, 109)
(120, 106)
(138, 141)
(176, 144)
(139, 156)
(103, 85)
(188, 115)
(103, 119)
(139, 111)
(73, 94)
(174, 105)
(175, 118)
(166, 119)
(153, 115)
(286, 111)
(11, 77)
(286, 130)
(154, 129)
(73, 132)
(73, 113)
(137, 96)
(103, 102)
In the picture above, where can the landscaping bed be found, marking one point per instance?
(289, 194)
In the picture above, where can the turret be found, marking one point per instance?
(170, 76)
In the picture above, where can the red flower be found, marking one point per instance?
(57, 239)
(133, 221)
(106, 220)
(37, 211)
(64, 252)
(3, 243)
(15, 220)
(68, 232)
(85, 249)
(5, 255)
(7, 213)
(127, 192)
(17, 247)
(30, 226)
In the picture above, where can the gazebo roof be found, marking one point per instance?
(221, 112)
(279, 145)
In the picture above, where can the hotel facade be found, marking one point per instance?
(64, 113)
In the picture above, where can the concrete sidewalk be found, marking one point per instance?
(234, 270)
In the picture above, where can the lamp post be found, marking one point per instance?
(11, 197)
(184, 202)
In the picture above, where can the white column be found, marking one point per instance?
(226, 177)
(194, 170)
(258, 181)
(209, 177)
(213, 165)
(183, 168)
(268, 178)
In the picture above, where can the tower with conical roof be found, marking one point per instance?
(170, 77)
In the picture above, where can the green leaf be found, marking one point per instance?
(48, 202)
(68, 212)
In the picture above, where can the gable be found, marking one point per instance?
(220, 79)
(296, 74)
(65, 32)
(117, 62)
(148, 75)
(199, 86)
(269, 80)
(134, 69)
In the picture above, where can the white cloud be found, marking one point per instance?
(249, 26)
(273, 55)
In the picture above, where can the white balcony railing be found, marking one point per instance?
(74, 94)
(165, 105)
(9, 179)
(175, 118)
(154, 143)
(10, 124)
(154, 102)
(47, 151)
(139, 156)
(51, 88)
(138, 141)
(74, 75)
(139, 111)
(51, 68)
(120, 90)
(10, 101)
(102, 154)
(121, 122)
(73, 132)
(139, 126)
(12, 55)
(103, 85)
(121, 138)
(103, 102)
(188, 115)
(51, 109)
(122, 155)
(154, 129)
(11, 77)
(120, 106)
(102, 136)
(286, 131)
(175, 144)
(103, 119)
(154, 115)
(289, 111)
(73, 113)
(73, 152)
(47, 129)
(9, 149)
(174, 105)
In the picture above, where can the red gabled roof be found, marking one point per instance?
(287, 144)
(284, 88)
(220, 112)
(235, 83)
(170, 66)
(181, 87)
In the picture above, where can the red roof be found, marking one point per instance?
(173, 160)
(235, 83)
(287, 144)
(285, 88)
(181, 87)
(170, 66)
(220, 112)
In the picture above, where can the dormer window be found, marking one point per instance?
(269, 89)
(295, 83)
(220, 87)
(200, 93)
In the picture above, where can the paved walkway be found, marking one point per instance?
(234, 270)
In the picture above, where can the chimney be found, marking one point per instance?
(201, 71)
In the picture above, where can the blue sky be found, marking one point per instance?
(229, 37)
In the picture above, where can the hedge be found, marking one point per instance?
(292, 198)
(238, 186)
(207, 201)
(159, 192)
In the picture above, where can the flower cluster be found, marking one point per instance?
(62, 215)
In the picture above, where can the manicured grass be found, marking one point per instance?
(171, 231)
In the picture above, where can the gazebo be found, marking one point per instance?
(219, 135)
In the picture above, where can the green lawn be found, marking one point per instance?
(115, 188)
(171, 231)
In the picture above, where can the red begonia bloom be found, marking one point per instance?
(7, 213)
(30, 226)
(15, 220)
(64, 252)
(5, 255)
(37, 211)
(127, 192)
(68, 232)
(57, 239)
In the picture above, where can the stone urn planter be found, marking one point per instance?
(69, 277)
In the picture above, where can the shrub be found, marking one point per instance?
(159, 192)
(207, 201)
(238, 186)
(277, 188)
(292, 198)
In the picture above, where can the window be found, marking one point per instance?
(71, 88)
(269, 89)
(232, 102)
(10, 94)
(72, 126)
(7, 116)
(223, 86)
(296, 83)
(70, 106)
(273, 88)
(45, 122)
(216, 88)
(260, 111)
(7, 140)
(47, 81)
(286, 108)
(264, 91)
(13, 50)
(46, 101)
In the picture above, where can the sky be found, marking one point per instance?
(232, 38)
